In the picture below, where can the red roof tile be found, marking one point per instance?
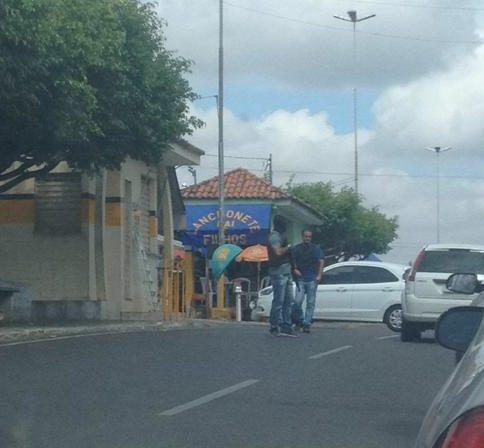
(238, 184)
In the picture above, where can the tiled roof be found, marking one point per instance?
(238, 184)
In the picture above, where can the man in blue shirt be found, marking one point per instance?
(308, 268)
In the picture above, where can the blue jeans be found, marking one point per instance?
(282, 301)
(307, 289)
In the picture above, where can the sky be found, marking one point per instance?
(289, 74)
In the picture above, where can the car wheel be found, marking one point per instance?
(410, 331)
(393, 318)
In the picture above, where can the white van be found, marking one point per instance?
(425, 296)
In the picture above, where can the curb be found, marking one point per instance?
(47, 332)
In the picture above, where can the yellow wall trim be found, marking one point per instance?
(19, 211)
(153, 223)
(113, 214)
(88, 210)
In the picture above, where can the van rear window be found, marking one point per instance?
(451, 261)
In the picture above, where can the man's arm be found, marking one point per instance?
(275, 241)
(320, 265)
(295, 259)
(281, 250)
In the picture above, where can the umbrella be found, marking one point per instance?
(222, 257)
(255, 254)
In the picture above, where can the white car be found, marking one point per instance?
(367, 291)
(426, 297)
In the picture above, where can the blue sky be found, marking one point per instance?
(260, 100)
(288, 83)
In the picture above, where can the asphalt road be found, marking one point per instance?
(344, 385)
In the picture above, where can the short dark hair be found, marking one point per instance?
(280, 223)
(279, 220)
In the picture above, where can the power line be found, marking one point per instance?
(335, 173)
(319, 25)
(239, 157)
(414, 5)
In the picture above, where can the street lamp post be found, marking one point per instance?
(437, 150)
(353, 18)
(220, 108)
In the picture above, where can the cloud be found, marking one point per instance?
(300, 44)
(301, 144)
(443, 109)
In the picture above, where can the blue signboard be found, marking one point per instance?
(245, 225)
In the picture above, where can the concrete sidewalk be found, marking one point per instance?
(46, 331)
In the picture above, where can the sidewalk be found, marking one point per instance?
(10, 333)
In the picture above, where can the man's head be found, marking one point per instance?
(307, 236)
(280, 223)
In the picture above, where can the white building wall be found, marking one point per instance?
(55, 267)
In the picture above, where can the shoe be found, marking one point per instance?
(306, 330)
(289, 332)
(274, 331)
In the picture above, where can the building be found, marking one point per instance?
(250, 204)
(78, 246)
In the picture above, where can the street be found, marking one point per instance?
(233, 385)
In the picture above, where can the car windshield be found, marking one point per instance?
(450, 261)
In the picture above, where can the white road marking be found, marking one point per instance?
(330, 352)
(388, 337)
(208, 398)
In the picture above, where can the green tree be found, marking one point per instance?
(349, 230)
(88, 82)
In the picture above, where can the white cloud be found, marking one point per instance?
(444, 108)
(301, 44)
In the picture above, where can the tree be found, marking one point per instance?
(349, 230)
(88, 82)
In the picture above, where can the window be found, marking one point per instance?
(336, 276)
(371, 274)
(58, 204)
(455, 260)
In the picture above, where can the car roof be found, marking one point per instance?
(391, 266)
(443, 246)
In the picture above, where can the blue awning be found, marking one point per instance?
(245, 225)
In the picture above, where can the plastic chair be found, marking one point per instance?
(246, 296)
(205, 299)
(265, 282)
(207, 290)
(244, 283)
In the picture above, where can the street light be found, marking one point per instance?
(220, 108)
(437, 150)
(353, 18)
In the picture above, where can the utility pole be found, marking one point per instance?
(353, 18)
(220, 106)
(437, 150)
(193, 172)
(268, 169)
